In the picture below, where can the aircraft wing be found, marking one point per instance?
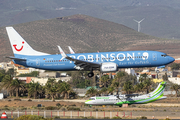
(19, 59)
(80, 64)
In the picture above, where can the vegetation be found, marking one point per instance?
(34, 89)
(176, 88)
(92, 91)
(175, 66)
(52, 89)
(32, 74)
(32, 117)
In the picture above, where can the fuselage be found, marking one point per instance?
(113, 100)
(123, 59)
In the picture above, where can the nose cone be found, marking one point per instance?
(87, 102)
(171, 59)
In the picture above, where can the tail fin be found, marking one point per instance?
(19, 45)
(159, 89)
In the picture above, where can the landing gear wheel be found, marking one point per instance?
(91, 74)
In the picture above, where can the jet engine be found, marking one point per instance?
(108, 67)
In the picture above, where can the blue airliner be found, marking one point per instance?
(25, 55)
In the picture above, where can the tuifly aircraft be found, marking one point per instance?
(25, 55)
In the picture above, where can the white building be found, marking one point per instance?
(175, 80)
(130, 71)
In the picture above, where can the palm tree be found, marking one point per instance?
(1, 76)
(128, 87)
(105, 79)
(143, 77)
(139, 87)
(119, 78)
(6, 82)
(147, 84)
(116, 85)
(34, 88)
(103, 90)
(51, 87)
(65, 89)
(11, 72)
(51, 81)
(16, 85)
(176, 88)
(110, 90)
(92, 91)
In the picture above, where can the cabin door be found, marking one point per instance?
(154, 56)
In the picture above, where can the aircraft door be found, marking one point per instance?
(154, 56)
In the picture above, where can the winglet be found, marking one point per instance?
(62, 52)
(71, 50)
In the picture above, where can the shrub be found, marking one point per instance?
(58, 104)
(73, 108)
(51, 108)
(30, 117)
(167, 119)
(143, 117)
(72, 105)
(57, 117)
(5, 108)
(23, 108)
(90, 117)
(117, 117)
(17, 99)
(106, 117)
(63, 109)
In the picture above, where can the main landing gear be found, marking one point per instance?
(91, 74)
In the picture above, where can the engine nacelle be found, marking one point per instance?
(108, 67)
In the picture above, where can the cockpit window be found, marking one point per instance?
(164, 55)
(91, 98)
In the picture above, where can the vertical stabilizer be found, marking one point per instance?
(19, 45)
(159, 90)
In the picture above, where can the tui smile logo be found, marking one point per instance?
(17, 48)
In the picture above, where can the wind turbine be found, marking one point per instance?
(139, 26)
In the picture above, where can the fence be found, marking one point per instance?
(69, 114)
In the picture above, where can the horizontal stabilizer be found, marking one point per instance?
(19, 59)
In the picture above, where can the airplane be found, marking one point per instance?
(157, 94)
(25, 55)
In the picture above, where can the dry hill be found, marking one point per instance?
(84, 34)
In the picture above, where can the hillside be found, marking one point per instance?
(84, 34)
(161, 16)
